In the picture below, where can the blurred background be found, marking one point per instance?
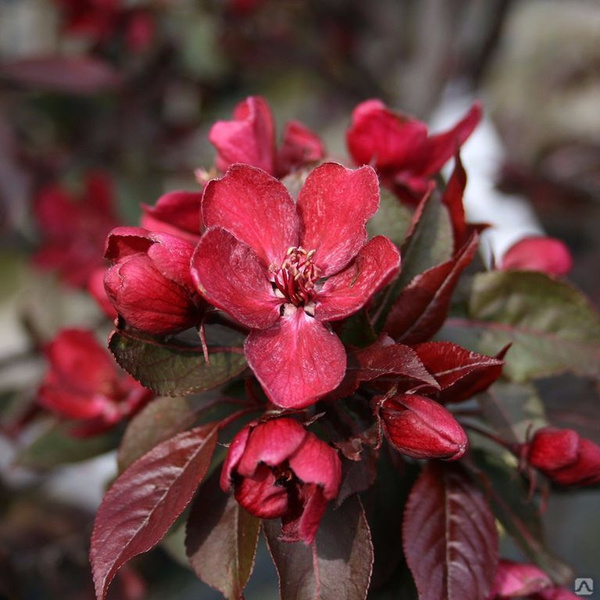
(110, 102)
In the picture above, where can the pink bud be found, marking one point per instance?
(420, 427)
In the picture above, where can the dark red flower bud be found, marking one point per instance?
(515, 580)
(83, 384)
(279, 469)
(420, 427)
(150, 284)
(564, 456)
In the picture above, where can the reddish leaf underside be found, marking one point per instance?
(336, 565)
(146, 500)
(449, 536)
(459, 372)
(423, 305)
(221, 540)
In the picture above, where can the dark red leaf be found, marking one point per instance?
(81, 76)
(449, 536)
(146, 500)
(423, 305)
(453, 200)
(336, 565)
(357, 476)
(387, 362)
(221, 540)
(460, 373)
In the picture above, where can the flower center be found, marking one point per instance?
(295, 279)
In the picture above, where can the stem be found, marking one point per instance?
(491, 436)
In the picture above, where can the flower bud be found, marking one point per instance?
(515, 580)
(150, 284)
(564, 456)
(279, 469)
(420, 427)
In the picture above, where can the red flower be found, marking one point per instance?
(83, 384)
(250, 139)
(278, 469)
(74, 229)
(176, 213)
(399, 147)
(538, 253)
(97, 291)
(150, 284)
(564, 456)
(422, 428)
(284, 269)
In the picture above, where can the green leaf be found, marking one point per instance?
(512, 408)
(221, 540)
(429, 243)
(336, 565)
(55, 447)
(175, 369)
(552, 327)
(518, 512)
(392, 219)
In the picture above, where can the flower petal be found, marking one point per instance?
(317, 462)
(234, 455)
(383, 138)
(271, 443)
(261, 496)
(300, 146)
(231, 276)
(297, 361)
(254, 207)
(249, 138)
(301, 525)
(345, 293)
(177, 213)
(438, 149)
(334, 206)
(538, 253)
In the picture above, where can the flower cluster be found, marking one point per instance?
(331, 345)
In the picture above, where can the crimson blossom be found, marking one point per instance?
(285, 269)
(400, 148)
(250, 139)
(279, 469)
(84, 385)
(73, 227)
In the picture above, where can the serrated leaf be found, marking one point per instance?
(392, 218)
(221, 540)
(336, 565)
(449, 536)
(552, 327)
(460, 373)
(54, 447)
(175, 369)
(147, 499)
(518, 513)
(423, 305)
